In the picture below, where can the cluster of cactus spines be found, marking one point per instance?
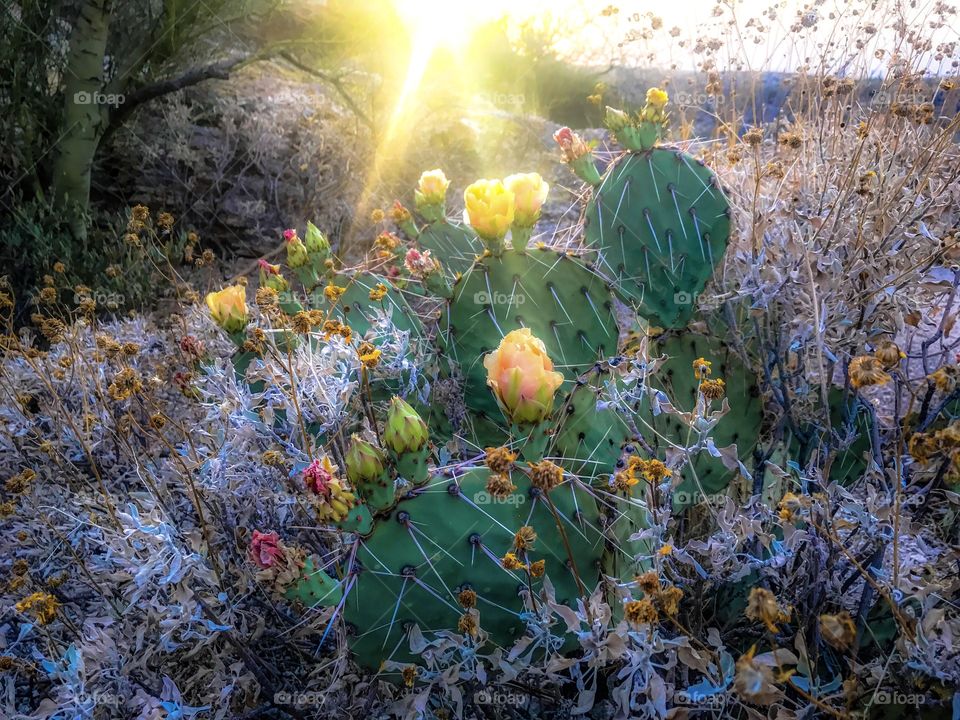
(465, 547)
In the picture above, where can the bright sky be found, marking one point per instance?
(766, 43)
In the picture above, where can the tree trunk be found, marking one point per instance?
(84, 113)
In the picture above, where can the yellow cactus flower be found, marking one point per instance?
(521, 375)
(432, 188)
(228, 307)
(529, 193)
(657, 98)
(489, 208)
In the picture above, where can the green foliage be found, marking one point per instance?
(35, 238)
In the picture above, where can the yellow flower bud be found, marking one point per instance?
(529, 193)
(432, 189)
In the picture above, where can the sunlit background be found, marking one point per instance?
(479, 64)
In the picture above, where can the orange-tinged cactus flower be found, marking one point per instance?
(228, 307)
(529, 193)
(522, 377)
(489, 209)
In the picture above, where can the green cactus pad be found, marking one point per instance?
(379, 494)
(563, 303)
(706, 474)
(412, 466)
(454, 245)
(661, 223)
(359, 520)
(356, 309)
(440, 540)
(315, 587)
(849, 464)
(590, 439)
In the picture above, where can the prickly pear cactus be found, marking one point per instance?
(706, 473)
(454, 245)
(660, 222)
(532, 335)
(593, 433)
(315, 587)
(452, 536)
(553, 293)
(366, 294)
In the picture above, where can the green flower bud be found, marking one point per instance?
(365, 462)
(296, 250)
(616, 119)
(271, 277)
(316, 243)
(405, 430)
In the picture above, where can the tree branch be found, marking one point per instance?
(215, 71)
(337, 85)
